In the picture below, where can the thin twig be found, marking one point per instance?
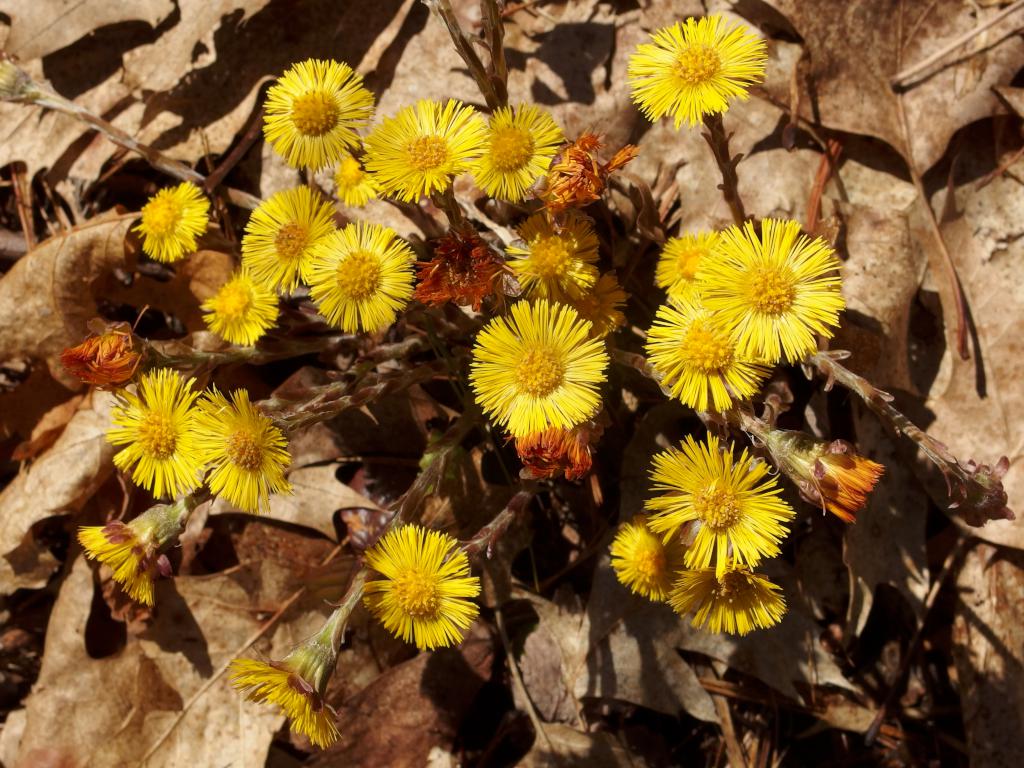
(910, 73)
(252, 133)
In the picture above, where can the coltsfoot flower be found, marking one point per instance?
(277, 249)
(132, 550)
(242, 311)
(735, 602)
(296, 684)
(425, 595)
(156, 426)
(696, 360)
(313, 111)
(538, 369)
(677, 265)
(108, 359)
(361, 277)
(423, 147)
(727, 510)
(555, 261)
(601, 305)
(352, 184)
(646, 563)
(773, 290)
(171, 221)
(246, 453)
(695, 68)
(518, 148)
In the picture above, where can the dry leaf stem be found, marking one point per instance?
(32, 93)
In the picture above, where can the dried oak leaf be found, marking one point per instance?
(988, 638)
(165, 690)
(59, 481)
(49, 295)
(854, 52)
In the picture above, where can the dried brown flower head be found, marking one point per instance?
(555, 450)
(464, 270)
(106, 360)
(578, 178)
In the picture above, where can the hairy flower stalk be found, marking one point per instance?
(975, 490)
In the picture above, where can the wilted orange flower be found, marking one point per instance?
(556, 450)
(106, 360)
(464, 270)
(832, 475)
(578, 178)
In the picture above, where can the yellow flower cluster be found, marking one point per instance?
(716, 517)
(173, 434)
(740, 301)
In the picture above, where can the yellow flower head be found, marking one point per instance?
(157, 428)
(242, 311)
(601, 305)
(277, 249)
(423, 147)
(694, 68)
(555, 262)
(730, 511)
(696, 359)
(313, 111)
(424, 597)
(362, 276)
(352, 184)
(132, 550)
(518, 149)
(645, 563)
(677, 265)
(296, 684)
(172, 219)
(773, 292)
(246, 453)
(538, 369)
(736, 601)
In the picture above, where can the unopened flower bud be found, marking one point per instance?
(832, 475)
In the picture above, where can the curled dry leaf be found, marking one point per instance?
(59, 481)
(49, 295)
(166, 686)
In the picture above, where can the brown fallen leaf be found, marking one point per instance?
(854, 52)
(412, 708)
(59, 481)
(559, 746)
(978, 404)
(48, 296)
(165, 691)
(988, 637)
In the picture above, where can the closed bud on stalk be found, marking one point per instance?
(832, 475)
